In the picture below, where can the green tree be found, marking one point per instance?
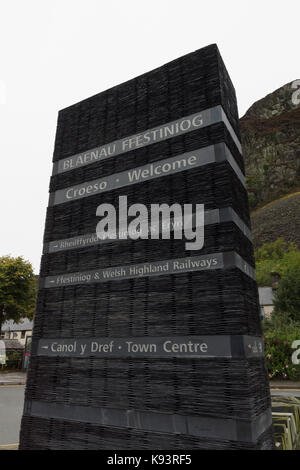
(273, 257)
(287, 297)
(274, 251)
(18, 288)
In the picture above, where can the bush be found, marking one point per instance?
(278, 340)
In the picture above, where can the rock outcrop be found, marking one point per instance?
(270, 132)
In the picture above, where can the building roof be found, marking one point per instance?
(266, 296)
(24, 325)
(12, 344)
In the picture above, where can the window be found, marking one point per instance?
(23, 334)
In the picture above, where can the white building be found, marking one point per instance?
(266, 301)
(17, 331)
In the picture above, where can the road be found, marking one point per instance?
(11, 408)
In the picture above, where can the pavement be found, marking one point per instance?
(13, 378)
(284, 384)
(285, 393)
(11, 409)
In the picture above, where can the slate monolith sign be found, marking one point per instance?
(142, 344)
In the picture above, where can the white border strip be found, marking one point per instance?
(160, 133)
(187, 161)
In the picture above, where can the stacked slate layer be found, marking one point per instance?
(68, 391)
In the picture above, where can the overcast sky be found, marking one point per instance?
(55, 53)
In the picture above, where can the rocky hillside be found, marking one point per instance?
(270, 133)
(280, 218)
